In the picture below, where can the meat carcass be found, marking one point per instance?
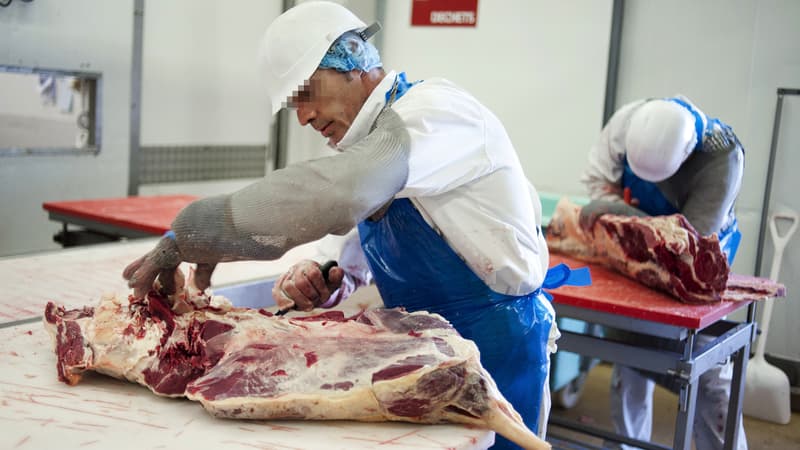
(746, 287)
(379, 365)
(661, 252)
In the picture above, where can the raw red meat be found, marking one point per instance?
(662, 252)
(745, 287)
(380, 365)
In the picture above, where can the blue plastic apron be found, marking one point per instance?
(651, 200)
(415, 268)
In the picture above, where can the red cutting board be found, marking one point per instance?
(150, 214)
(611, 292)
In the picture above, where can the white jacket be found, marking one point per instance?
(467, 182)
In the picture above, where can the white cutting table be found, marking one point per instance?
(39, 412)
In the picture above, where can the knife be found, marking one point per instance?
(326, 269)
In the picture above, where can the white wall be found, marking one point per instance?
(741, 52)
(199, 86)
(200, 82)
(784, 336)
(89, 35)
(540, 66)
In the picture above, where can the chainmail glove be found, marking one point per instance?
(596, 208)
(288, 207)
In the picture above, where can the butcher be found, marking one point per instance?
(662, 156)
(446, 219)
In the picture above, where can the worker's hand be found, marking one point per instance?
(162, 263)
(596, 208)
(304, 287)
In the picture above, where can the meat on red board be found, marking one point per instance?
(379, 365)
(662, 252)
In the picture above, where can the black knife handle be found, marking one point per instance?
(326, 269)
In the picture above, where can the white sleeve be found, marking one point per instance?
(541, 249)
(603, 176)
(447, 131)
(537, 203)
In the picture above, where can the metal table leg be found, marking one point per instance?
(687, 401)
(684, 423)
(735, 403)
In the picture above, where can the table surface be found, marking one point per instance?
(39, 412)
(149, 214)
(611, 292)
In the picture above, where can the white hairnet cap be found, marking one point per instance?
(661, 135)
(295, 43)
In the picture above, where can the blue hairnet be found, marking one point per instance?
(350, 52)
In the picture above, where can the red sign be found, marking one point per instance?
(444, 13)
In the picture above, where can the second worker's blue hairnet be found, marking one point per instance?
(350, 52)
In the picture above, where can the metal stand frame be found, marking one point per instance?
(731, 339)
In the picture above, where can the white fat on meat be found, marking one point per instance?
(661, 252)
(379, 365)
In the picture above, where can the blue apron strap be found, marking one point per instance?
(561, 275)
(698, 121)
(651, 200)
(400, 87)
(729, 239)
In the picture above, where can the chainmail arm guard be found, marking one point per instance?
(300, 203)
(706, 187)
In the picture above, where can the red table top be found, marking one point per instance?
(151, 214)
(611, 292)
